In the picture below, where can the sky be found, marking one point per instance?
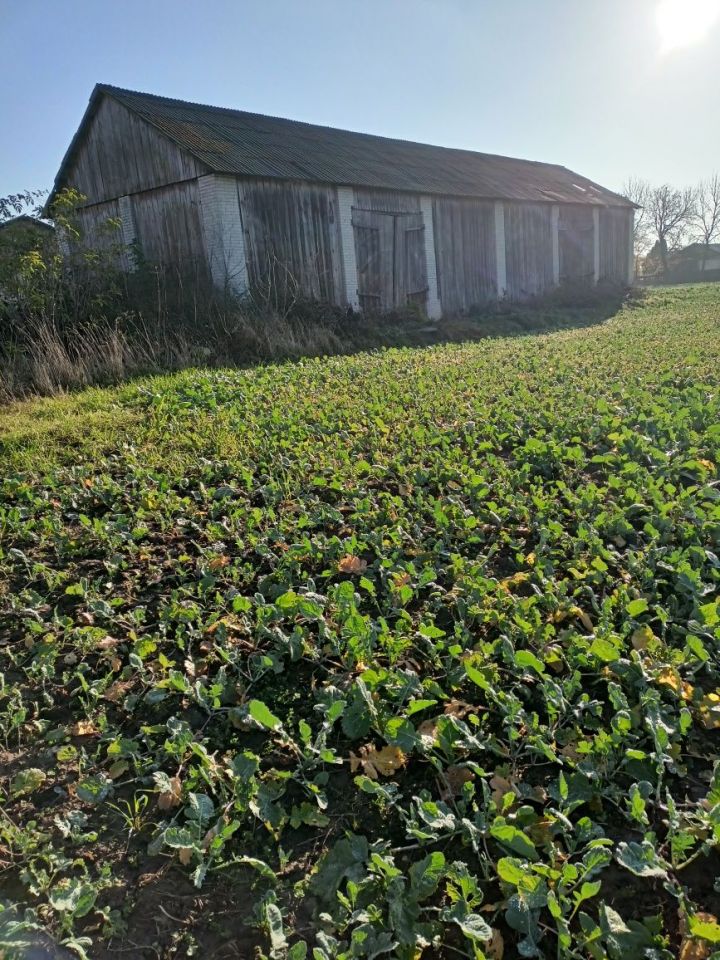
(608, 88)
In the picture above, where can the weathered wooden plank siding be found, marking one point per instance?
(465, 252)
(122, 154)
(575, 228)
(100, 230)
(387, 201)
(168, 227)
(293, 238)
(529, 249)
(614, 244)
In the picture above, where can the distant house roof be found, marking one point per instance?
(252, 145)
(699, 250)
(26, 220)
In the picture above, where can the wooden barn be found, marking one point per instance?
(253, 201)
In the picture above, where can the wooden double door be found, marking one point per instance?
(390, 254)
(576, 239)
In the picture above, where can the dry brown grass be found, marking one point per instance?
(49, 362)
(47, 358)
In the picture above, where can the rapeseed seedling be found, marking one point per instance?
(411, 654)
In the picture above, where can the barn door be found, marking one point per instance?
(576, 240)
(410, 263)
(374, 253)
(390, 255)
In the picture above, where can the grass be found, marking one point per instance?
(411, 653)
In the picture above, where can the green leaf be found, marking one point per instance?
(527, 660)
(474, 928)
(426, 874)
(276, 931)
(511, 870)
(263, 715)
(415, 706)
(399, 732)
(640, 859)
(265, 871)
(514, 839)
(636, 607)
(587, 891)
(705, 929)
(563, 789)
(245, 765)
(178, 838)
(697, 647)
(201, 807)
(94, 789)
(637, 798)
(347, 858)
(604, 650)
(710, 613)
(554, 906)
(476, 677)
(624, 940)
(73, 896)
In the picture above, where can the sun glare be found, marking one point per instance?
(684, 22)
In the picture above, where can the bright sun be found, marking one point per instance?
(684, 22)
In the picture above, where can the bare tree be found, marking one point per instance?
(637, 191)
(706, 221)
(670, 213)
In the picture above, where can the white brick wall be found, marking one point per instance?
(223, 229)
(346, 196)
(63, 242)
(433, 305)
(128, 230)
(500, 249)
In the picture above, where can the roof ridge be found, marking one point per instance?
(240, 143)
(113, 90)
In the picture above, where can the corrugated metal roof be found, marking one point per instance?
(29, 221)
(249, 144)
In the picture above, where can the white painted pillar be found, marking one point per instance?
(433, 305)
(596, 244)
(62, 242)
(556, 244)
(631, 255)
(129, 235)
(346, 197)
(500, 262)
(223, 230)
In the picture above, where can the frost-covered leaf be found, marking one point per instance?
(475, 928)
(27, 781)
(640, 859)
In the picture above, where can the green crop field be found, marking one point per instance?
(408, 654)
